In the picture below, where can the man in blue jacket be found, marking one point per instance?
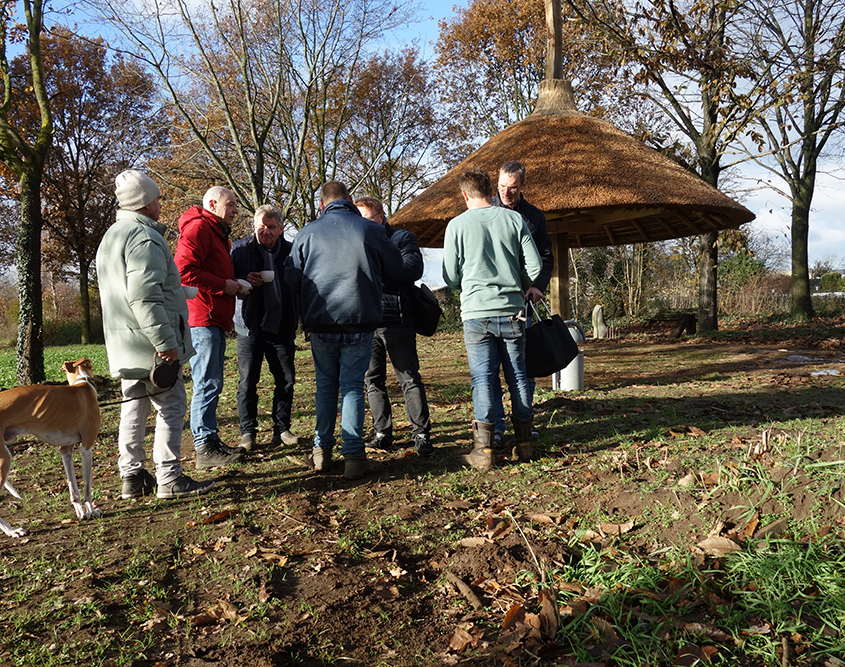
(336, 268)
(396, 337)
(265, 321)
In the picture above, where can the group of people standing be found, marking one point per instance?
(348, 276)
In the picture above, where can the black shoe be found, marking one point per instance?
(423, 445)
(138, 485)
(184, 486)
(213, 453)
(383, 441)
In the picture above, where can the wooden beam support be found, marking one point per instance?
(559, 284)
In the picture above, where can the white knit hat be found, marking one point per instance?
(134, 190)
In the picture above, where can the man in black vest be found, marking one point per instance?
(510, 187)
(265, 321)
(396, 338)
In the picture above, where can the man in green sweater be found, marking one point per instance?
(488, 254)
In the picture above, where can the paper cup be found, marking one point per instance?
(267, 276)
(190, 291)
(245, 286)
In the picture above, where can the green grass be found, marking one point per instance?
(54, 357)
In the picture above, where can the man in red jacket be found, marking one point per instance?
(202, 255)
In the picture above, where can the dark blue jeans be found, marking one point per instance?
(279, 352)
(399, 342)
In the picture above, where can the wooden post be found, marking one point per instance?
(559, 284)
(554, 32)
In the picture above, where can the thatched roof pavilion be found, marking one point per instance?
(597, 185)
(594, 182)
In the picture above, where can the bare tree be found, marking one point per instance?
(258, 85)
(392, 129)
(686, 53)
(799, 48)
(99, 109)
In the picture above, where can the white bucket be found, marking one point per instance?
(575, 331)
(570, 378)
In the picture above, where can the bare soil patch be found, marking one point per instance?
(281, 566)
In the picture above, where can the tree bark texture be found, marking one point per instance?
(708, 313)
(85, 302)
(30, 345)
(802, 196)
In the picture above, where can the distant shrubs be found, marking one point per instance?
(832, 282)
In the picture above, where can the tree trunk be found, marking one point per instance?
(84, 302)
(30, 346)
(802, 304)
(708, 313)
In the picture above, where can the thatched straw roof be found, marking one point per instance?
(592, 180)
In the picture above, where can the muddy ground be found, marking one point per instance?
(420, 563)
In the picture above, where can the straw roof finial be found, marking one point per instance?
(555, 96)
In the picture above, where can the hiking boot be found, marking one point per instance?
(356, 466)
(138, 484)
(423, 445)
(523, 449)
(319, 460)
(184, 486)
(285, 437)
(247, 441)
(382, 441)
(481, 457)
(498, 439)
(213, 453)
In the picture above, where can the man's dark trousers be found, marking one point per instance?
(279, 352)
(399, 341)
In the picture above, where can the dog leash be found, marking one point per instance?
(162, 373)
(127, 400)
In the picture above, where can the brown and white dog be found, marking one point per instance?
(61, 416)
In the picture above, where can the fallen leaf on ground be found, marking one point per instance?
(513, 616)
(461, 639)
(691, 655)
(718, 546)
(615, 528)
(689, 479)
(603, 630)
(474, 541)
(591, 536)
(220, 516)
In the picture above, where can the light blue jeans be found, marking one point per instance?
(207, 374)
(340, 369)
(490, 343)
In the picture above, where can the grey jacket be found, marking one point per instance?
(144, 307)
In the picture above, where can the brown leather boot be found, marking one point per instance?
(481, 457)
(523, 447)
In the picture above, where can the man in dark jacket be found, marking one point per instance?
(510, 187)
(396, 337)
(202, 255)
(265, 321)
(336, 269)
